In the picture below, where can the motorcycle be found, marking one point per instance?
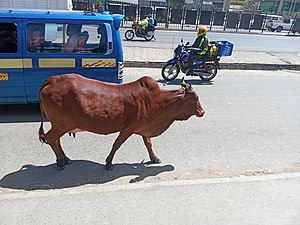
(139, 32)
(206, 69)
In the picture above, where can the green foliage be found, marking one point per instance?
(177, 4)
(269, 7)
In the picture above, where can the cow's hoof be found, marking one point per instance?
(155, 159)
(109, 166)
(67, 160)
(60, 164)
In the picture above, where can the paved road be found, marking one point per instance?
(251, 127)
(247, 144)
(242, 42)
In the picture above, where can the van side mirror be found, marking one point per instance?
(187, 43)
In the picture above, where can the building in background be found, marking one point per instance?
(36, 4)
(281, 7)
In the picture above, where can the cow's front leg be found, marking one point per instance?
(117, 144)
(148, 143)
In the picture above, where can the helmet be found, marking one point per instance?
(202, 31)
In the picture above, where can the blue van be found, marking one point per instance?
(37, 44)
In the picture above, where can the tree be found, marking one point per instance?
(176, 4)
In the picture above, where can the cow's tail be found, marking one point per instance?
(41, 130)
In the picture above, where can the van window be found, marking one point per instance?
(8, 38)
(67, 38)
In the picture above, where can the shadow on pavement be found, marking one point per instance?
(187, 80)
(136, 40)
(20, 113)
(80, 172)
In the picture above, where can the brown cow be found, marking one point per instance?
(73, 103)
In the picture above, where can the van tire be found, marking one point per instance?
(279, 29)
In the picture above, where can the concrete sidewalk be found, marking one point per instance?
(271, 200)
(155, 58)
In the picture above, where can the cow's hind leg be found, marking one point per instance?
(148, 143)
(52, 138)
(67, 159)
(117, 144)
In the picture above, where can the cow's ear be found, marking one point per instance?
(181, 93)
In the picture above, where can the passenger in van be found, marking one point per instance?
(8, 38)
(82, 39)
(35, 40)
(74, 32)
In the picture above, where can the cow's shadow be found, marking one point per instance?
(80, 172)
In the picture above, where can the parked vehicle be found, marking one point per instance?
(37, 44)
(206, 69)
(274, 18)
(279, 26)
(139, 32)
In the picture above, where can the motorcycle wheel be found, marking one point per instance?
(170, 71)
(129, 35)
(210, 73)
(149, 38)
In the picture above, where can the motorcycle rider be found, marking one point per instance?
(199, 48)
(143, 24)
(151, 23)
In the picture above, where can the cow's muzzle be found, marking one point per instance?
(200, 113)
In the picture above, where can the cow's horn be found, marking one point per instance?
(183, 84)
(190, 89)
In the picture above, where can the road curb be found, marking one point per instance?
(85, 189)
(226, 66)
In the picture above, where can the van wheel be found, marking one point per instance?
(129, 35)
(272, 29)
(279, 29)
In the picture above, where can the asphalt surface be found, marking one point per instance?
(263, 190)
(239, 164)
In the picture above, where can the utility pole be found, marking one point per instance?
(292, 7)
(280, 7)
(168, 12)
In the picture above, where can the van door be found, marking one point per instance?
(12, 88)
